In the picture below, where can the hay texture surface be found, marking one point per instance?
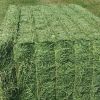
(50, 52)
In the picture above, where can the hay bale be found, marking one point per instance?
(55, 55)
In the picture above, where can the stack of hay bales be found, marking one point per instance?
(52, 54)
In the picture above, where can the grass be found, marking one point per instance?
(91, 5)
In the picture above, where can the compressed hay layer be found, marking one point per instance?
(55, 55)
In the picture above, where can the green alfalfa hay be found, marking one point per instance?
(56, 56)
(24, 54)
(8, 32)
(25, 70)
(25, 57)
(46, 66)
(1, 90)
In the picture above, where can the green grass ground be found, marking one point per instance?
(92, 5)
